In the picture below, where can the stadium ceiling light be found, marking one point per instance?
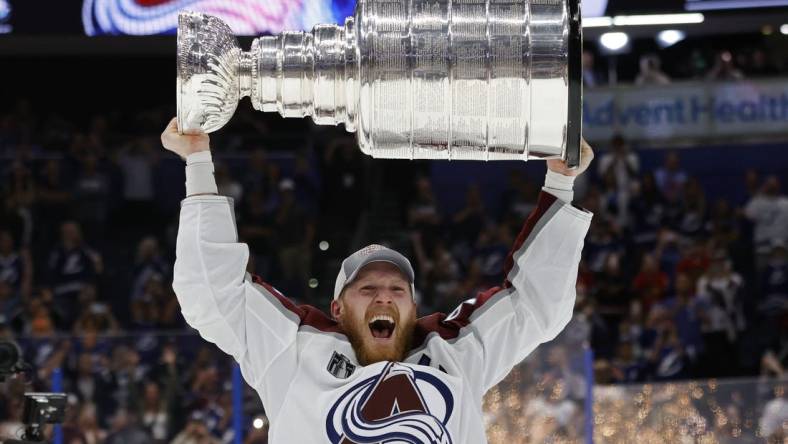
(614, 41)
(597, 22)
(658, 19)
(784, 29)
(670, 37)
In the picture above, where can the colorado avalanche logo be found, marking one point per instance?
(393, 408)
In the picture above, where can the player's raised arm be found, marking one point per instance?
(246, 319)
(537, 298)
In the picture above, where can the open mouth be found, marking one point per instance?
(382, 326)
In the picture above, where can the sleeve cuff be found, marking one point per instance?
(559, 186)
(199, 157)
(199, 174)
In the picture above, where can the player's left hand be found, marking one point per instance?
(586, 156)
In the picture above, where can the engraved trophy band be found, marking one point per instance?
(415, 79)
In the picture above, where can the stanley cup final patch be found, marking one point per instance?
(340, 366)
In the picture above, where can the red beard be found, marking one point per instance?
(367, 351)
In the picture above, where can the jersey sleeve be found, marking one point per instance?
(533, 304)
(244, 317)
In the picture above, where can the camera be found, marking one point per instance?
(10, 359)
(40, 408)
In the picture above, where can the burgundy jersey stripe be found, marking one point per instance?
(309, 315)
(543, 203)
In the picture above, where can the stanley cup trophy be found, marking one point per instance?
(415, 79)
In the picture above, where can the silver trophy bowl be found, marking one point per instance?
(416, 79)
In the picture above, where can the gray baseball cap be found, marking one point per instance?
(371, 253)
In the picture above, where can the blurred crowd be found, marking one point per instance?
(673, 283)
(663, 68)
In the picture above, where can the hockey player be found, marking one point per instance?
(372, 372)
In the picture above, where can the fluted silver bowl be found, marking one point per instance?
(208, 81)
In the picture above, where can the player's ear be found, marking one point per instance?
(336, 309)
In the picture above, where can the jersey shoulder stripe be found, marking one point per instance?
(307, 315)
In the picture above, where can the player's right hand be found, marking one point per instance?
(183, 144)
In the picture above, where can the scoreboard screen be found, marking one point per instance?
(160, 17)
(709, 5)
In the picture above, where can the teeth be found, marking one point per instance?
(382, 318)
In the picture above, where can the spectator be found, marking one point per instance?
(41, 348)
(622, 166)
(491, 251)
(126, 430)
(95, 315)
(626, 366)
(671, 177)
(167, 377)
(651, 71)
(137, 162)
(724, 68)
(695, 258)
(772, 309)
(20, 189)
(424, 215)
(16, 266)
(761, 65)
(195, 432)
(72, 266)
(150, 262)
(768, 211)
(91, 386)
(624, 163)
(154, 413)
(692, 217)
(722, 312)
(148, 319)
(91, 197)
(87, 423)
(13, 219)
(10, 304)
(591, 78)
(774, 278)
(667, 357)
(612, 292)
(471, 219)
(127, 379)
(648, 209)
(11, 427)
(651, 283)
(53, 199)
(723, 225)
(441, 276)
(603, 241)
(684, 310)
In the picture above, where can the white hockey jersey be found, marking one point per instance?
(305, 371)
